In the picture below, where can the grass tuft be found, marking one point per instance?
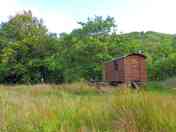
(79, 107)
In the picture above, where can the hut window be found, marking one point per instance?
(116, 67)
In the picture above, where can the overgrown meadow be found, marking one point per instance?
(80, 107)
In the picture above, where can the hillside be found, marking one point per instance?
(160, 51)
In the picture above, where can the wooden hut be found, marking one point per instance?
(126, 69)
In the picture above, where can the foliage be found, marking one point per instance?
(30, 54)
(26, 49)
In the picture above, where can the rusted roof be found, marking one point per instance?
(122, 57)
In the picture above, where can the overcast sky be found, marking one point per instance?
(131, 15)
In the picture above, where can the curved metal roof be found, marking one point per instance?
(118, 58)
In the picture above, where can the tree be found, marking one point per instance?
(27, 48)
(85, 49)
(96, 26)
(29, 54)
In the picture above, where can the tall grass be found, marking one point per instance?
(83, 108)
(144, 112)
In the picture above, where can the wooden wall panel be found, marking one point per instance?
(130, 68)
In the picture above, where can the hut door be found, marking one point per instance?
(116, 71)
(135, 69)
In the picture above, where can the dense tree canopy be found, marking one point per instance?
(30, 54)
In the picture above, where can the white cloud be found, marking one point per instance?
(7, 8)
(144, 15)
(132, 15)
(55, 21)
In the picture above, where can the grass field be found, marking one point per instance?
(81, 108)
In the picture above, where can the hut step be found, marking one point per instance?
(134, 85)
